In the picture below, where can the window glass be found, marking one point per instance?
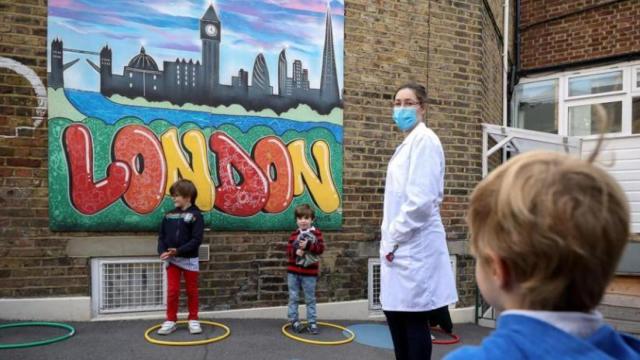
(595, 84)
(536, 106)
(588, 119)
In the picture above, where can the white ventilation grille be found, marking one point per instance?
(374, 283)
(203, 253)
(127, 285)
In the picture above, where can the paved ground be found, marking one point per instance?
(250, 339)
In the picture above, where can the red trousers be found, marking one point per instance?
(173, 292)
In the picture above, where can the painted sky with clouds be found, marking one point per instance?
(170, 29)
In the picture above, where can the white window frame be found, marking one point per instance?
(626, 106)
(535, 80)
(635, 89)
(591, 73)
(629, 91)
(635, 77)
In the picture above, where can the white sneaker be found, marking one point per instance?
(194, 327)
(167, 328)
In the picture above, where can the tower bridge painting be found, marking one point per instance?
(143, 110)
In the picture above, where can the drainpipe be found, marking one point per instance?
(515, 67)
(516, 31)
(505, 63)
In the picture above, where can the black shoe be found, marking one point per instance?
(313, 329)
(297, 327)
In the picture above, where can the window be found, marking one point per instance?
(580, 102)
(537, 106)
(154, 77)
(595, 84)
(589, 119)
(130, 85)
(154, 88)
(635, 117)
(130, 75)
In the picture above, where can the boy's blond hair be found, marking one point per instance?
(558, 222)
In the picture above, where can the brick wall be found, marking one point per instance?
(449, 45)
(555, 31)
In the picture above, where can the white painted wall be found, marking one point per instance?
(79, 309)
(620, 156)
(46, 309)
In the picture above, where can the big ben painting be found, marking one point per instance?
(210, 35)
(242, 97)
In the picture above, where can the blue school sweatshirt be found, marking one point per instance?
(523, 337)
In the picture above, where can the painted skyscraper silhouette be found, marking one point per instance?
(198, 82)
(260, 77)
(329, 81)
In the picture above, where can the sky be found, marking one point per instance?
(170, 29)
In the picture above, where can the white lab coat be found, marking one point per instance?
(420, 277)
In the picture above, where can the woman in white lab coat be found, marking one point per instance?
(416, 275)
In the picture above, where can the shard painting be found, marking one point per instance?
(142, 94)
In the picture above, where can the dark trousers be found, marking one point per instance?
(410, 334)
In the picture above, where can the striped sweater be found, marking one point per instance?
(316, 248)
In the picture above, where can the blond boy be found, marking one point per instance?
(547, 231)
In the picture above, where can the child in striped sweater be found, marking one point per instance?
(303, 250)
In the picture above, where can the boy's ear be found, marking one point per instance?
(500, 271)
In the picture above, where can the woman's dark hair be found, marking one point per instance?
(419, 90)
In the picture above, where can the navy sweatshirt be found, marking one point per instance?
(183, 230)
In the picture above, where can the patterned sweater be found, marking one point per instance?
(316, 248)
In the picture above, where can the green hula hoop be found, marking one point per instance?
(71, 332)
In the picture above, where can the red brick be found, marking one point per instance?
(21, 162)
(584, 33)
(451, 47)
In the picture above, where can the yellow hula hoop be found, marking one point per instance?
(351, 337)
(226, 334)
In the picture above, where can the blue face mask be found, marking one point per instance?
(405, 117)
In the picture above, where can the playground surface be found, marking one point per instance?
(250, 339)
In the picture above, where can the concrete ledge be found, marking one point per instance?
(47, 309)
(102, 246)
(463, 315)
(79, 309)
(344, 310)
(356, 310)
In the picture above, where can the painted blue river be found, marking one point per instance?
(96, 105)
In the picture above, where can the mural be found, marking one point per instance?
(123, 128)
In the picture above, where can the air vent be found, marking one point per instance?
(374, 285)
(203, 253)
(127, 285)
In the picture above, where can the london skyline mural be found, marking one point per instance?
(124, 125)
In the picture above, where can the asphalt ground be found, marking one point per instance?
(250, 339)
